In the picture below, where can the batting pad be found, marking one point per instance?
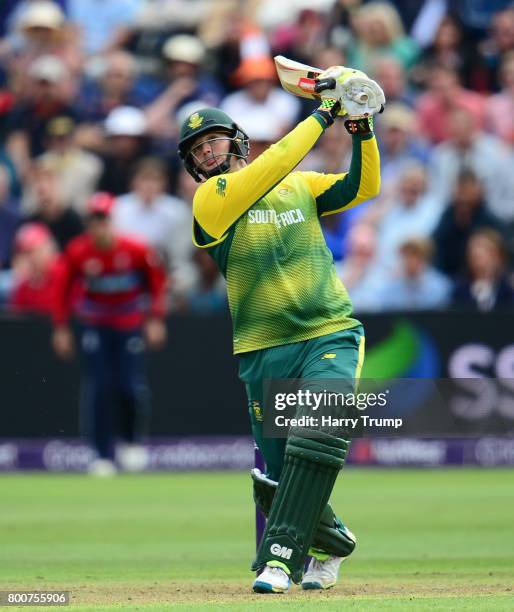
(310, 470)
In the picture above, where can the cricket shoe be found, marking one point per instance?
(322, 572)
(273, 579)
(132, 457)
(103, 468)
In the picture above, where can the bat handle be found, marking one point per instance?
(322, 84)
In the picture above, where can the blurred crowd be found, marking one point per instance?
(92, 94)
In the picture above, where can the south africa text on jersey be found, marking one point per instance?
(281, 219)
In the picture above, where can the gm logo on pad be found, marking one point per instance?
(281, 551)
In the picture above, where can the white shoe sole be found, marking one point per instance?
(261, 586)
(266, 588)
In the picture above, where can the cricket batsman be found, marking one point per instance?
(291, 314)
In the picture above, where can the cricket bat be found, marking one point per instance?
(302, 80)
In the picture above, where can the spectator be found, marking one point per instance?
(360, 271)
(418, 286)
(102, 26)
(41, 31)
(9, 219)
(477, 15)
(117, 83)
(399, 145)
(500, 106)
(422, 18)
(301, 39)
(332, 154)
(262, 135)
(415, 212)
(209, 294)
(341, 18)
(499, 43)
(125, 128)
(184, 55)
(489, 158)
(444, 95)
(391, 75)
(454, 51)
(34, 270)
(420, 13)
(50, 208)
(9, 167)
(42, 16)
(166, 15)
(228, 34)
(380, 33)
(324, 57)
(49, 97)
(260, 97)
(485, 286)
(187, 186)
(335, 230)
(77, 170)
(160, 220)
(466, 214)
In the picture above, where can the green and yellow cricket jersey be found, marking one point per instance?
(261, 226)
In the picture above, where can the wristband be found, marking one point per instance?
(361, 125)
(328, 110)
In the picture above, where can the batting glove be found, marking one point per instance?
(336, 76)
(329, 88)
(359, 96)
(362, 97)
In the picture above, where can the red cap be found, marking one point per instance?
(30, 236)
(100, 202)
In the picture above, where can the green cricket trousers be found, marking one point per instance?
(335, 356)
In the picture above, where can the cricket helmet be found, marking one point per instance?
(211, 120)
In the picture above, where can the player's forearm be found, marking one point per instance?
(222, 200)
(61, 299)
(360, 184)
(157, 283)
(158, 304)
(61, 310)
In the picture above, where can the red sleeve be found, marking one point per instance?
(156, 278)
(65, 276)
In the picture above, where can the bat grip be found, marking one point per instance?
(322, 84)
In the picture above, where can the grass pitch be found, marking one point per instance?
(428, 540)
